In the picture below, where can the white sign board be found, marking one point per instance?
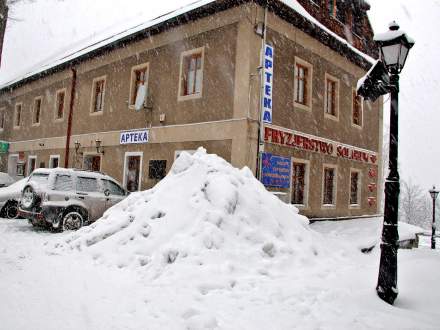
(134, 137)
(268, 82)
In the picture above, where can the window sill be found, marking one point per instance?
(332, 117)
(328, 206)
(96, 113)
(16, 127)
(354, 206)
(35, 124)
(59, 120)
(357, 126)
(302, 106)
(189, 97)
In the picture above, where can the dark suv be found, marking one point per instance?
(67, 199)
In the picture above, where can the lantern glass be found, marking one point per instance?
(390, 55)
(434, 193)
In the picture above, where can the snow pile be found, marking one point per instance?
(203, 213)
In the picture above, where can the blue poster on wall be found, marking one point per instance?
(276, 171)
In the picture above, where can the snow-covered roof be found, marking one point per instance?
(59, 61)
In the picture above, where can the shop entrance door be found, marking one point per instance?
(133, 171)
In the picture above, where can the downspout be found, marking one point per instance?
(260, 145)
(69, 120)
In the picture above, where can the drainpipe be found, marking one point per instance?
(69, 120)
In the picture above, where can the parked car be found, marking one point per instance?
(68, 199)
(6, 180)
(9, 197)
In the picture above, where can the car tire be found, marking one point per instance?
(72, 220)
(11, 210)
(28, 197)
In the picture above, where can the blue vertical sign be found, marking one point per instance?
(276, 171)
(268, 82)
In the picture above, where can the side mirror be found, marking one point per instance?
(107, 192)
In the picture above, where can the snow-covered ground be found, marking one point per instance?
(208, 248)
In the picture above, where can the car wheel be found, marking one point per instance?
(11, 210)
(72, 220)
(28, 197)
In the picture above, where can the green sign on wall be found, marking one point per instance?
(4, 147)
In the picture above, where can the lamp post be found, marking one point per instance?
(394, 46)
(434, 194)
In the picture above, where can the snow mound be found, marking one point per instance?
(205, 213)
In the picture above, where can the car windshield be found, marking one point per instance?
(39, 178)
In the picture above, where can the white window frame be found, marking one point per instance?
(178, 152)
(33, 110)
(337, 87)
(91, 153)
(126, 155)
(146, 65)
(305, 205)
(359, 192)
(15, 115)
(59, 91)
(51, 157)
(352, 110)
(28, 170)
(335, 186)
(184, 54)
(3, 114)
(17, 156)
(92, 96)
(308, 105)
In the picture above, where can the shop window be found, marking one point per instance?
(191, 73)
(354, 187)
(54, 161)
(329, 186)
(299, 183)
(357, 106)
(132, 171)
(32, 164)
(17, 115)
(331, 97)
(92, 163)
(98, 91)
(139, 76)
(60, 104)
(157, 169)
(36, 111)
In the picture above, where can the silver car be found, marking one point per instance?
(67, 199)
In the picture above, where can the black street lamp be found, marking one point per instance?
(434, 194)
(394, 46)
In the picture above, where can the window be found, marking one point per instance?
(59, 104)
(32, 164)
(17, 115)
(191, 73)
(54, 161)
(41, 178)
(36, 111)
(63, 182)
(157, 169)
(98, 91)
(113, 188)
(86, 184)
(331, 7)
(331, 101)
(133, 171)
(92, 163)
(354, 187)
(299, 182)
(329, 186)
(2, 119)
(303, 84)
(139, 76)
(357, 107)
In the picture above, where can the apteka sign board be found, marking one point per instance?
(134, 137)
(268, 82)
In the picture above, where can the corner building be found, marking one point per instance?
(197, 74)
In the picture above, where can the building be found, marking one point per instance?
(200, 69)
